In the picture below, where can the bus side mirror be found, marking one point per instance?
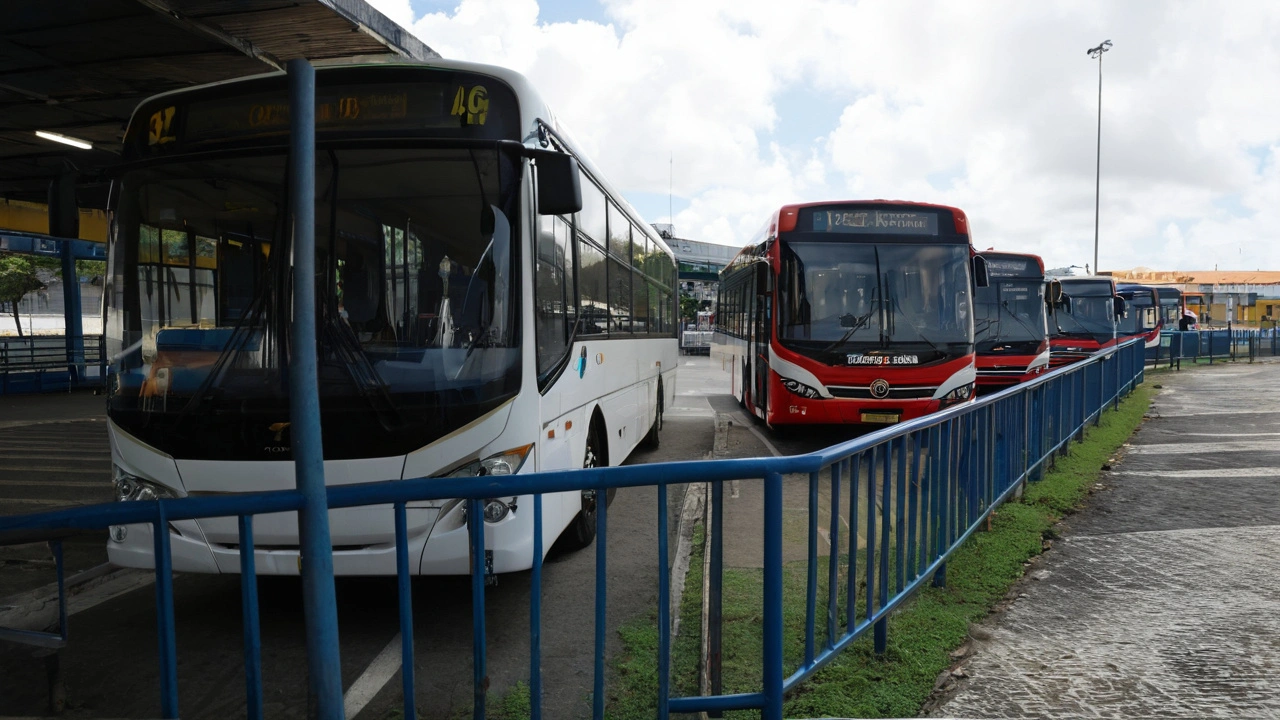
(1053, 295)
(1119, 305)
(558, 190)
(980, 278)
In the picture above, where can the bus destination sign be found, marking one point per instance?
(1010, 267)
(455, 105)
(875, 222)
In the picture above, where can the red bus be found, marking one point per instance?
(1011, 315)
(1085, 319)
(851, 312)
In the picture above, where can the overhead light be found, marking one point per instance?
(73, 142)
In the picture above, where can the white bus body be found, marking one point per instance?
(609, 385)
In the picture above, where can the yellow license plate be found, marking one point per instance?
(872, 417)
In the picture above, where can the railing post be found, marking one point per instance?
(250, 621)
(164, 616)
(318, 598)
(715, 600)
(479, 669)
(772, 675)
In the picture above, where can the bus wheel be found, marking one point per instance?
(652, 441)
(582, 530)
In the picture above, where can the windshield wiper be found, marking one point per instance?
(894, 307)
(1004, 304)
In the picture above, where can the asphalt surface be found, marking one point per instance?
(1160, 600)
(110, 664)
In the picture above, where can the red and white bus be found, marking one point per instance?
(1011, 315)
(1085, 319)
(851, 312)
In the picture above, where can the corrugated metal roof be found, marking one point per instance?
(79, 67)
(1198, 277)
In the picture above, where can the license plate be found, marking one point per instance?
(872, 417)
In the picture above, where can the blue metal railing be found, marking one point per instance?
(952, 469)
(1213, 345)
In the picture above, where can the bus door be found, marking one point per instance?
(760, 337)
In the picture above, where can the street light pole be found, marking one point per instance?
(1096, 52)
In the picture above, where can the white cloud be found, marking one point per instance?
(991, 107)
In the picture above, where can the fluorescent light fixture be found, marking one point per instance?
(73, 142)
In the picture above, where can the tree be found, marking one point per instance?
(17, 278)
(688, 307)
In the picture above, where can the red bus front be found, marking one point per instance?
(857, 312)
(1011, 334)
(1086, 320)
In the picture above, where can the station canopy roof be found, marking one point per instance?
(79, 67)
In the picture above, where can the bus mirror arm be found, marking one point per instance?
(559, 191)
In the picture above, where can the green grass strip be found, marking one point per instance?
(921, 636)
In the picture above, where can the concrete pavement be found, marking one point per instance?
(1161, 599)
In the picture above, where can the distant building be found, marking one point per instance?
(700, 263)
(1243, 296)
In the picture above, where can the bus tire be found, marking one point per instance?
(653, 441)
(582, 529)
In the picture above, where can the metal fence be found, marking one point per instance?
(1212, 346)
(41, 363)
(947, 473)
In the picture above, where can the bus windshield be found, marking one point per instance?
(416, 291)
(1088, 316)
(1009, 311)
(844, 297)
(1139, 317)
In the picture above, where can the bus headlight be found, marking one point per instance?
(495, 510)
(507, 462)
(131, 487)
(799, 388)
(959, 395)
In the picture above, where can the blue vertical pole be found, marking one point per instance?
(772, 676)
(405, 591)
(479, 665)
(535, 616)
(319, 604)
(811, 578)
(64, 222)
(164, 616)
(833, 559)
(250, 622)
(664, 608)
(602, 592)
(715, 600)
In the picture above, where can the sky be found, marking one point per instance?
(723, 110)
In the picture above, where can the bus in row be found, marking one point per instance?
(1142, 317)
(851, 312)
(487, 304)
(1085, 318)
(1011, 320)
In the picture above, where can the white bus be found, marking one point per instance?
(469, 322)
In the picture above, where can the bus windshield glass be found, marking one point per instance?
(416, 292)
(1090, 311)
(1139, 316)
(1009, 311)
(841, 298)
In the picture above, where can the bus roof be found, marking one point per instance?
(1088, 285)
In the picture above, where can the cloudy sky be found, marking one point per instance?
(990, 106)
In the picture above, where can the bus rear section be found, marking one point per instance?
(1011, 332)
(1085, 319)
(851, 312)
(1142, 317)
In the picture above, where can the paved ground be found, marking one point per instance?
(1161, 600)
(53, 453)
